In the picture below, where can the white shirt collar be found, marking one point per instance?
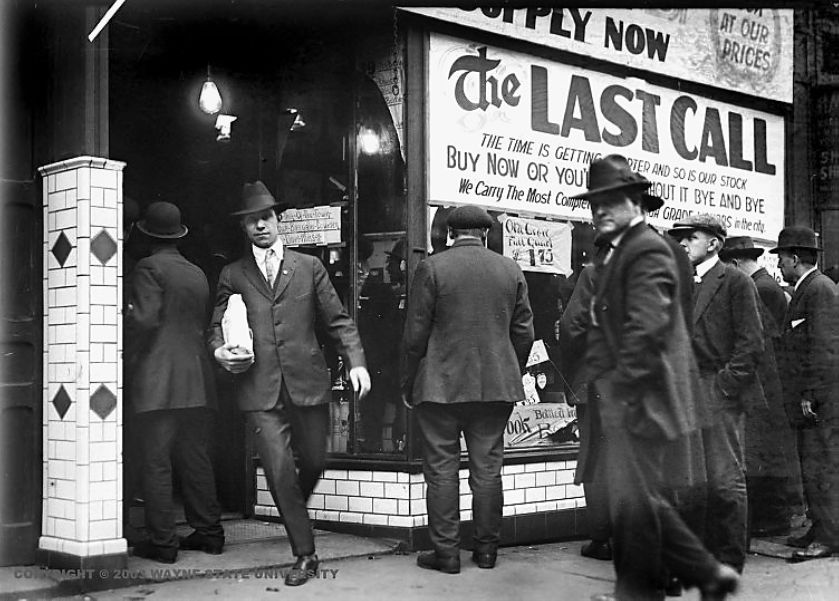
(635, 221)
(804, 275)
(705, 266)
(259, 253)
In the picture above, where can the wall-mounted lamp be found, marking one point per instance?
(368, 141)
(209, 100)
(224, 123)
(298, 122)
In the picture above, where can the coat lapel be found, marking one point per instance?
(255, 276)
(287, 268)
(708, 288)
(792, 308)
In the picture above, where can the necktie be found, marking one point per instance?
(269, 267)
(697, 283)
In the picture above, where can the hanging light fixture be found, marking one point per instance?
(209, 100)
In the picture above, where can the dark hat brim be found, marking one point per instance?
(733, 253)
(775, 250)
(271, 205)
(683, 230)
(651, 202)
(141, 225)
(639, 185)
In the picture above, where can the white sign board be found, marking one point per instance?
(748, 50)
(517, 133)
(537, 245)
(317, 225)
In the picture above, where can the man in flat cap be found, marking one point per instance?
(284, 386)
(808, 366)
(172, 389)
(728, 344)
(640, 392)
(468, 333)
(773, 478)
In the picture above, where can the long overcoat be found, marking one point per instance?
(165, 353)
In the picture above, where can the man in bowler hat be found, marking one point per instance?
(728, 345)
(773, 478)
(172, 388)
(284, 386)
(640, 392)
(807, 362)
(468, 333)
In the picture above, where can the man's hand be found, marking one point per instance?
(360, 380)
(807, 409)
(233, 358)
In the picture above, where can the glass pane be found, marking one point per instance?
(380, 420)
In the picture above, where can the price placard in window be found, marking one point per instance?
(537, 244)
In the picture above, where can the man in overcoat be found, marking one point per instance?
(773, 478)
(641, 392)
(172, 389)
(284, 386)
(728, 345)
(808, 366)
(468, 333)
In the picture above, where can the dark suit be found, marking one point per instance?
(808, 366)
(728, 344)
(172, 391)
(285, 393)
(642, 394)
(772, 472)
(468, 333)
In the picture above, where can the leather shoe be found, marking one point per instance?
(304, 568)
(725, 581)
(431, 561)
(201, 542)
(597, 549)
(485, 559)
(803, 541)
(149, 550)
(813, 551)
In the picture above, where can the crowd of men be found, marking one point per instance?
(705, 396)
(708, 398)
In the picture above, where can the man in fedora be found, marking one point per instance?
(728, 344)
(640, 392)
(808, 366)
(468, 334)
(172, 388)
(772, 473)
(284, 386)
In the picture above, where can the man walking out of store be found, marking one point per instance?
(808, 366)
(773, 478)
(467, 337)
(284, 386)
(728, 345)
(172, 389)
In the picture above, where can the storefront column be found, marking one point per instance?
(82, 413)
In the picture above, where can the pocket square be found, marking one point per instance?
(797, 322)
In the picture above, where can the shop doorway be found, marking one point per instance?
(288, 98)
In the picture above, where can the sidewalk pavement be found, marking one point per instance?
(357, 568)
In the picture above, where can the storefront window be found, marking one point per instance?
(381, 419)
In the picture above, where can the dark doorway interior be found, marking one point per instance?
(262, 67)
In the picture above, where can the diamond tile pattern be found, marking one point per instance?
(103, 401)
(103, 247)
(61, 249)
(61, 401)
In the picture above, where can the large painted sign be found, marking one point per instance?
(516, 133)
(744, 50)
